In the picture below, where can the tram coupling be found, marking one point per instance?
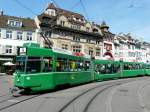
(16, 92)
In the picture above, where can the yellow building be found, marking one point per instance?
(71, 31)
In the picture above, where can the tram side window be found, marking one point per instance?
(116, 68)
(134, 66)
(141, 66)
(147, 66)
(33, 65)
(73, 65)
(137, 66)
(62, 65)
(86, 65)
(128, 67)
(109, 68)
(78, 65)
(131, 66)
(100, 68)
(47, 64)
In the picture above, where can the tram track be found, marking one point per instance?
(106, 87)
(95, 96)
(12, 101)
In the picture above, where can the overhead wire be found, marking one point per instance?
(42, 33)
(25, 7)
(75, 5)
(55, 3)
(84, 9)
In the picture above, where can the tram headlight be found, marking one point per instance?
(28, 78)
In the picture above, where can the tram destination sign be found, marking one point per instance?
(22, 51)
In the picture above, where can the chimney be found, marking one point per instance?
(93, 23)
(1, 12)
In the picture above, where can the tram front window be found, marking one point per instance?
(20, 64)
(33, 65)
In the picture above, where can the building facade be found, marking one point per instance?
(108, 42)
(66, 30)
(130, 49)
(71, 31)
(14, 32)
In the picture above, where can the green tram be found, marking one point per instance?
(107, 69)
(40, 69)
(131, 69)
(147, 69)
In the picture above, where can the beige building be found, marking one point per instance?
(71, 31)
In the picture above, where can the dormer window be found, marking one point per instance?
(95, 30)
(14, 23)
(62, 23)
(50, 12)
(87, 29)
(76, 27)
(88, 40)
(97, 42)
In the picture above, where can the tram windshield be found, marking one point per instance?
(33, 65)
(28, 65)
(20, 64)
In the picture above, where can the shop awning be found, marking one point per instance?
(6, 59)
(8, 64)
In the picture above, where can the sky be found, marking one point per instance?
(123, 16)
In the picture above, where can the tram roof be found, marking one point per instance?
(38, 51)
(105, 61)
(133, 62)
(61, 55)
